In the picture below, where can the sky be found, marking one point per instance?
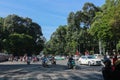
(49, 14)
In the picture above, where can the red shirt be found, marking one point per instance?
(114, 60)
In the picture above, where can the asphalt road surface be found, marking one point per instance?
(35, 71)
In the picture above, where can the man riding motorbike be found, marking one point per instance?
(28, 60)
(45, 61)
(71, 62)
(53, 61)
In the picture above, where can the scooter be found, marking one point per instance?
(44, 63)
(53, 62)
(28, 62)
(71, 64)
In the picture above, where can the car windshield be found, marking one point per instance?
(91, 57)
(83, 57)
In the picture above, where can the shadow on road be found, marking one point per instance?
(33, 67)
(38, 72)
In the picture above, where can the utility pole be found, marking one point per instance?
(100, 47)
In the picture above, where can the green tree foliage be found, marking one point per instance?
(57, 43)
(89, 10)
(118, 46)
(106, 24)
(19, 44)
(13, 27)
(1, 33)
(74, 36)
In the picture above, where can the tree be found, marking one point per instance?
(118, 47)
(106, 24)
(67, 39)
(89, 10)
(19, 44)
(57, 43)
(13, 24)
(1, 33)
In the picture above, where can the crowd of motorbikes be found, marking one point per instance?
(44, 60)
(70, 64)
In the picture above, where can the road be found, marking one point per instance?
(34, 71)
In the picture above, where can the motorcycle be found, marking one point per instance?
(71, 64)
(53, 62)
(44, 63)
(28, 61)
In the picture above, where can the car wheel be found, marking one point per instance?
(89, 63)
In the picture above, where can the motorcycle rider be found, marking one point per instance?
(53, 61)
(28, 60)
(70, 58)
(71, 62)
(44, 61)
(107, 71)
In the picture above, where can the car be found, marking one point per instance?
(76, 57)
(59, 57)
(99, 56)
(89, 60)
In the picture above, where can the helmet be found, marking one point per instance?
(107, 62)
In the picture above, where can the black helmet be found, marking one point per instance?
(108, 61)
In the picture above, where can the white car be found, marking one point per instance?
(89, 60)
(76, 57)
(99, 56)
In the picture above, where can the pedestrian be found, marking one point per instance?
(114, 59)
(107, 71)
(117, 70)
